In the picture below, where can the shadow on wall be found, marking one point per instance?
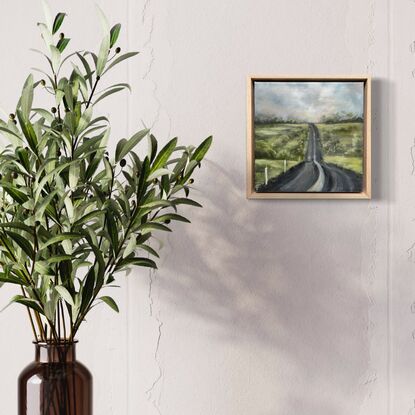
(284, 276)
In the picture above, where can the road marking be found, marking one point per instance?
(319, 184)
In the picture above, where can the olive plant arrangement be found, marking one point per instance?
(72, 215)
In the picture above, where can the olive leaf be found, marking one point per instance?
(115, 32)
(58, 22)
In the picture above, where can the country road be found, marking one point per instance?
(313, 174)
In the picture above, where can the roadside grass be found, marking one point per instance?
(342, 144)
(275, 168)
(351, 163)
(276, 142)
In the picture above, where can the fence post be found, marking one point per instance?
(266, 174)
(285, 166)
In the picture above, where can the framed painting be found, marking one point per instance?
(309, 138)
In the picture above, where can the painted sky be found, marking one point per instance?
(307, 101)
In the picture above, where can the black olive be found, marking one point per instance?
(12, 116)
(167, 221)
(191, 181)
(118, 50)
(53, 110)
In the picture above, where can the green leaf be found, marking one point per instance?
(103, 20)
(158, 173)
(47, 14)
(156, 204)
(103, 55)
(40, 209)
(58, 22)
(28, 302)
(65, 294)
(88, 289)
(151, 226)
(56, 57)
(50, 306)
(24, 159)
(17, 195)
(185, 201)
(10, 279)
(69, 208)
(121, 143)
(110, 302)
(74, 173)
(171, 216)
(141, 262)
(115, 32)
(201, 151)
(9, 134)
(108, 93)
(120, 59)
(59, 258)
(42, 268)
(17, 225)
(26, 100)
(88, 217)
(62, 44)
(129, 249)
(85, 120)
(152, 147)
(127, 146)
(59, 238)
(28, 131)
(87, 68)
(46, 35)
(22, 242)
(164, 155)
(112, 230)
(149, 249)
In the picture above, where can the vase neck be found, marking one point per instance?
(55, 353)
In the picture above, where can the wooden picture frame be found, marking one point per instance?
(345, 175)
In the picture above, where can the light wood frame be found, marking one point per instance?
(367, 175)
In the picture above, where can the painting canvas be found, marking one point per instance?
(309, 138)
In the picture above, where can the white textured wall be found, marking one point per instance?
(258, 307)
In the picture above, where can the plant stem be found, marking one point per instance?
(93, 91)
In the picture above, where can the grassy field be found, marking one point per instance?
(351, 163)
(275, 143)
(275, 168)
(343, 144)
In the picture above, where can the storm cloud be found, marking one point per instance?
(307, 101)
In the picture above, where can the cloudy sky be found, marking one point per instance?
(307, 101)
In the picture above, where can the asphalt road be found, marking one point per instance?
(313, 174)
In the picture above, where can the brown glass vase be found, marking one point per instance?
(55, 383)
